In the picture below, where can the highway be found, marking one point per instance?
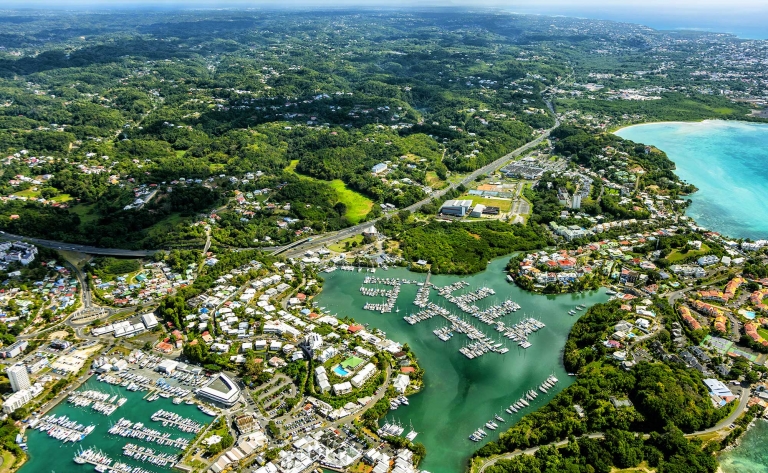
(91, 250)
(299, 247)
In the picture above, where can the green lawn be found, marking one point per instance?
(504, 205)
(676, 255)
(435, 182)
(357, 204)
(28, 193)
(85, 212)
(341, 246)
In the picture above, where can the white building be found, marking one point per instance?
(17, 374)
(363, 375)
(401, 383)
(149, 320)
(20, 398)
(222, 390)
(322, 379)
(342, 388)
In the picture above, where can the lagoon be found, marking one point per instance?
(727, 161)
(461, 395)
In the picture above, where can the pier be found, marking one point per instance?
(147, 455)
(176, 421)
(128, 429)
(103, 463)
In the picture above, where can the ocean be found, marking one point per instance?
(460, 394)
(727, 161)
(750, 456)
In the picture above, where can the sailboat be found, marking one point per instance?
(412, 434)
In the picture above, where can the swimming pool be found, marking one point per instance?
(340, 371)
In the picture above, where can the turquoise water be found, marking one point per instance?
(47, 454)
(727, 161)
(461, 395)
(750, 456)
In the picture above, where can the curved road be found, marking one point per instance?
(743, 399)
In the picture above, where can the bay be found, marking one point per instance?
(727, 161)
(750, 456)
(47, 454)
(461, 395)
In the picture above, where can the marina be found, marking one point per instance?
(104, 451)
(137, 430)
(174, 420)
(458, 390)
(100, 402)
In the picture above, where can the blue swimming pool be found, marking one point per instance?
(340, 371)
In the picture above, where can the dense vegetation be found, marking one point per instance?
(665, 399)
(459, 248)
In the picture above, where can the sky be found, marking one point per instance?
(745, 18)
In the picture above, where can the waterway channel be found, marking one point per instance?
(460, 394)
(47, 454)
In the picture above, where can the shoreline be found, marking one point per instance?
(686, 122)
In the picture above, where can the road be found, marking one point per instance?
(91, 250)
(743, 399)
(299, 247)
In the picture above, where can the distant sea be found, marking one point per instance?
(745, 23)
(727, 161)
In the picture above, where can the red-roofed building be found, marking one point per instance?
(355, 328)
(407, 369)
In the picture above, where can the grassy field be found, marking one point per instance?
(503, 204)
(340, 246)
(8, 461)
(357, 204)
(676, 255)
(435, 182)
(85, 212)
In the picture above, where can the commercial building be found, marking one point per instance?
(478, 211)
(720, 390)
(149, 320)
(459, 208)
(167, 366)
(20, 398)
(17, 375)
(221, 390)
(14, 350)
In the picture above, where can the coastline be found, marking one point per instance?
(614, 130)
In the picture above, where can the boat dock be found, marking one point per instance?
(103, 463)
(126, 428)
(144, 454)
(176, 421)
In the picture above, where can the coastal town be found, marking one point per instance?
(335, 252)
